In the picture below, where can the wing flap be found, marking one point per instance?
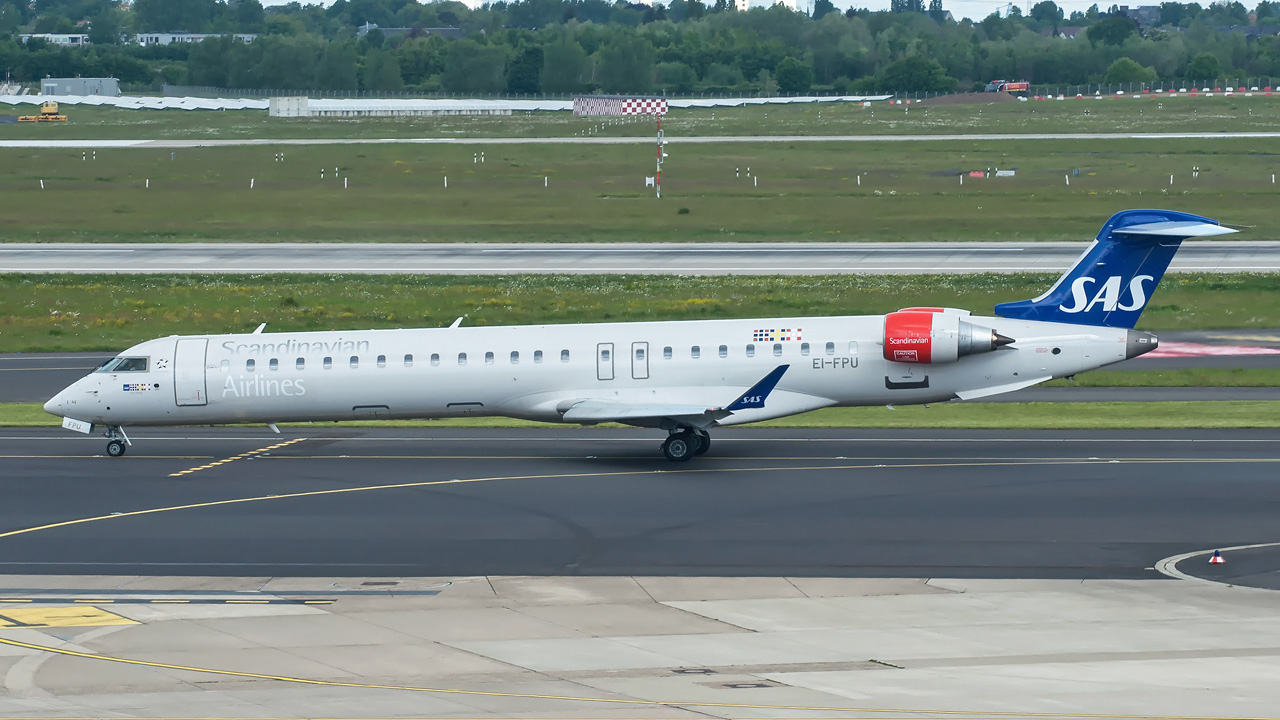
(597, 411)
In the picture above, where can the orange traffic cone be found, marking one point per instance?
(1217, 558)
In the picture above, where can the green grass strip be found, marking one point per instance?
(978, 416)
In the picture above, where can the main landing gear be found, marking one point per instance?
(682, 445)
(117, 441)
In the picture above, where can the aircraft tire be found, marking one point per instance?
(704, 442)
(680, 447)
(116, 448)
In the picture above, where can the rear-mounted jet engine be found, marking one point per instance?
(935, 336)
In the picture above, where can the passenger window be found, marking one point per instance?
(804, 348)
(328, 363)
(724, 351)
(853, 348)
(435, 359)
(301, 364)
(537, 356)
(515, 357)
(777, 349)
(354, 362)
(666, 353)
(408, 361)
(226, 366)
(273, 363)
(249, 365)
(462, 358)
(751, 351)
(382, 361)
(488, 358)
(695, 352)
(564, 356)
(831, 348)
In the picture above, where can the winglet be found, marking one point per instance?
(755, 397)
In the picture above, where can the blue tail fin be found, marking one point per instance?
(1111, 282)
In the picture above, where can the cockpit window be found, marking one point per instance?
(124, 364)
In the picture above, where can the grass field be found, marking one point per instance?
(794, 191)
(1000, 416)
(110, 312)
(1147, 114)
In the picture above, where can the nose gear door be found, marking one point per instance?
(188, 372)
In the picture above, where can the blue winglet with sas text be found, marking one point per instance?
(755, 397)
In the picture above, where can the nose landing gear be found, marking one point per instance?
(117, 441)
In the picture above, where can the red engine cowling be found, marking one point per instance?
(929, 337)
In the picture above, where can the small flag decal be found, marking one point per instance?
(776, 334)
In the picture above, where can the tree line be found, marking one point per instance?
(683, 46)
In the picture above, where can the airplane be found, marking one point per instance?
(684, 377)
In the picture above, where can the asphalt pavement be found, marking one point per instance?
(603, 258)
(765, 502)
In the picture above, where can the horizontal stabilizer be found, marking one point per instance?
(1175, 229)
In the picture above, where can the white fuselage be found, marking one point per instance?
(537, 372)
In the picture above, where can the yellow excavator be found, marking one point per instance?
(48, 113)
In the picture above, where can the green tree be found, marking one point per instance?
(626, 64)
(822, 7)
(209, 61)
(525, 70)
(1112, 30)
(916, 73)
(474, 68)
(337, 68)
(793, 76)
(1205, 66)
(676, 77)
(1047, 13)
(382, 72)
(1125, 70)
(106, 27)
(249, 15)
(564, 67)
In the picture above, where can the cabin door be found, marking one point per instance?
(188, 372)
(604, 361)
(640, 361)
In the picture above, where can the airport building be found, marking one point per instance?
(109, 87)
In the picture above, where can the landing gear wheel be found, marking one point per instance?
(116, 448)
(680, 447)
(704, 442)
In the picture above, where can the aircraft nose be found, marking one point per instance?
(54, 406)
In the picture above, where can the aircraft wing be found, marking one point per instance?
(589, 411)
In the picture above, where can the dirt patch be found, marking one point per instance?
(977, 98)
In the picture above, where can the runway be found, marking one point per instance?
(602, 258)
(597, 140)
(452, 502)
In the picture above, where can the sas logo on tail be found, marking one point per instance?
(1108, 295)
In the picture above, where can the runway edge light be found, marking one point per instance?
(1217, 558)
